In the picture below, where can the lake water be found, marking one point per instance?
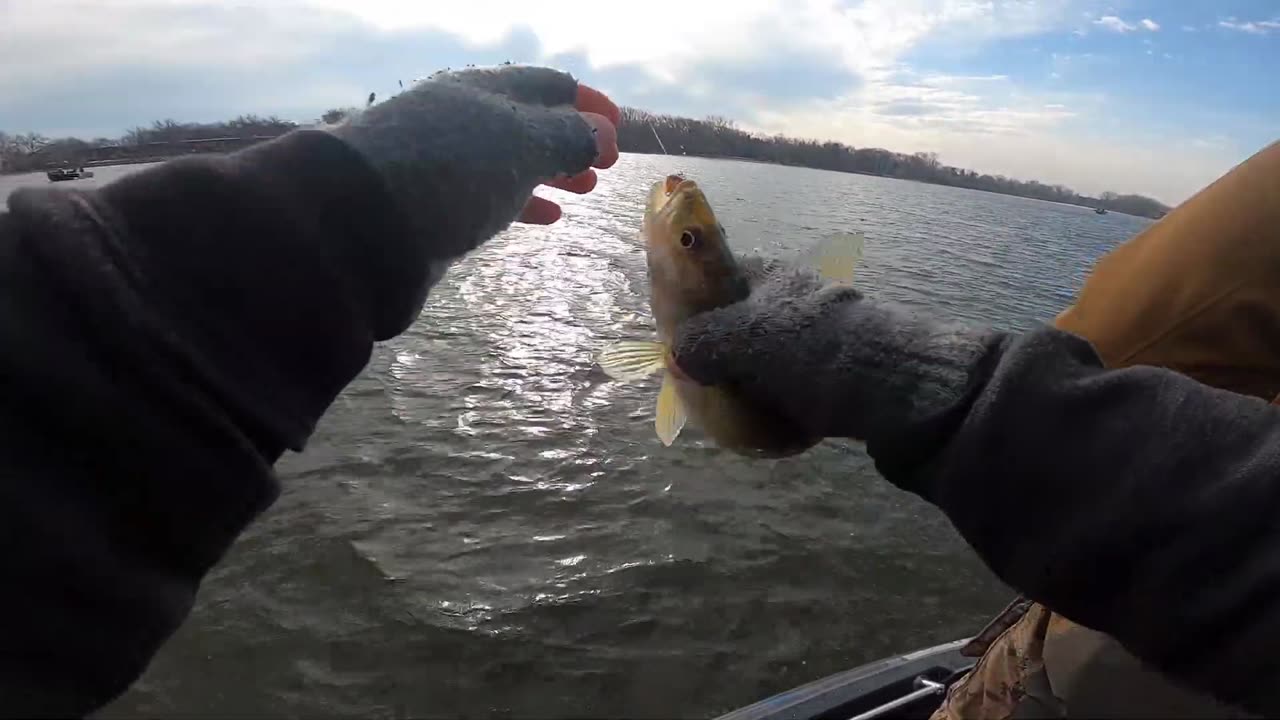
(485, 525)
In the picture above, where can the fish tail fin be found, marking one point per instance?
(671, 415)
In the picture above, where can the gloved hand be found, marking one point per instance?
(463, 151)
(833, 362)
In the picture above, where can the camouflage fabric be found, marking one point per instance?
(998, 685)
(1042, 665)
(1197, 292)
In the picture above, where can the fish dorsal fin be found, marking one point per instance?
(671, 415)
(836, 257)
(631, 360)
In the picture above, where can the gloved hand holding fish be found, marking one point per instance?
(831, 362)
(769, 358)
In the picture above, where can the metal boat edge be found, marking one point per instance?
(887, 688)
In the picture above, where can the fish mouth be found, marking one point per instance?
(673, 183)
(667, 188)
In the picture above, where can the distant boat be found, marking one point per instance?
(62, 174)
(1100, 210)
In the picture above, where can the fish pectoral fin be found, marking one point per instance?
(631, 360)
(671, 415)
(838, 255)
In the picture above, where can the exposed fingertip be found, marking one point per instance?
(540, 211)
(593, 101)
(582, 183)
(606, 139)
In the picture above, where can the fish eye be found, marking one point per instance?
(690, 238)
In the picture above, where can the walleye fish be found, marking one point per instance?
(691, 271)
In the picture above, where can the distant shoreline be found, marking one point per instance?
(911, 168)
(921, 181)
(100, 163)
(719, 137)
(171, 141)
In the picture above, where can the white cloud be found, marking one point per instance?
(961, 118)
(889, 105)
(667, 44)
(997, 127)
(1026, 140)
(863, 35)
(1255, 27)
(1114, 24)
(90, 35)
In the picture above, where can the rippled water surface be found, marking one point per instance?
(485, 525)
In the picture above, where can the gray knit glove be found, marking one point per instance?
(834, 363)
(463, 151)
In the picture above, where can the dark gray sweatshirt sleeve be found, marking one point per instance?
(1137, 502)
(169, 336)
(166, 339)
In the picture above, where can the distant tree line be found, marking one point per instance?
(645, 132)
(164, 138)
(639, 132)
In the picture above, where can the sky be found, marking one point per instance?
(1158, 97)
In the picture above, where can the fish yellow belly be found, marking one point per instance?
(739, 427)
